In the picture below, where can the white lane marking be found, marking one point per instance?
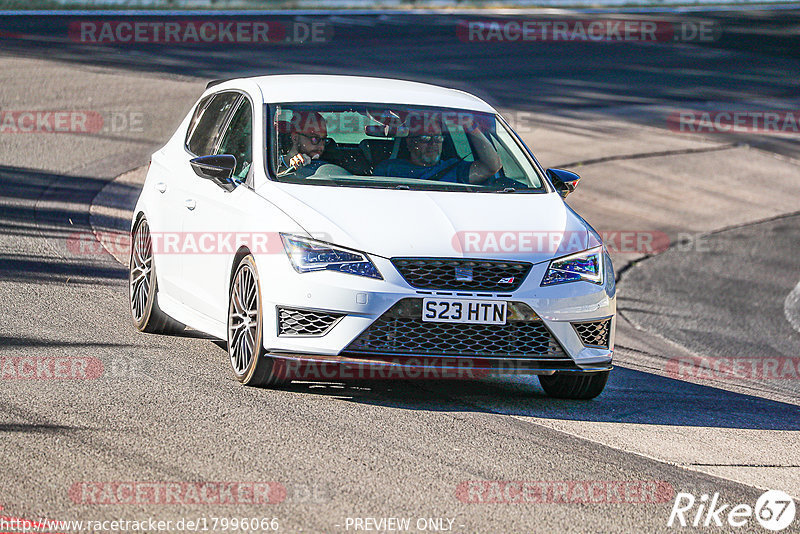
(791, 307)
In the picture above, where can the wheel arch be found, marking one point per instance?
(237, 259)
(137, 216)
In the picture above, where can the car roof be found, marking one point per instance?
(329, 88)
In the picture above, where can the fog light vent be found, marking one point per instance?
(297, 322)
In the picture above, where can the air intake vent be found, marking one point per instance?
(461, 274)
(594, 333)
(296, 322)
(400, 330)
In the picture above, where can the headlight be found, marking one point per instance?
(309, 255)
(586, 265)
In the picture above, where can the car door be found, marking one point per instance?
(201, 139)
(166, 179)
(217, 218)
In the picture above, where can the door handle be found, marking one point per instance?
(161, 187)
(190, 203)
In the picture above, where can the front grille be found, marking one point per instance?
(594, 333)
(462, 274)
(296, 322)
(401, 330)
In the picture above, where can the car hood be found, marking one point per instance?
(392, 223)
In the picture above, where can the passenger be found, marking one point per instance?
(425, 153)
(308, 133)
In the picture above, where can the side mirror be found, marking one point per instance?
(218, 169)
(565, 182)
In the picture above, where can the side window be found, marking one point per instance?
(206, 132)
(238, 139)
(198, 112)
(511, 168)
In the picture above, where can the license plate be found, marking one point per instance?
(466, 311)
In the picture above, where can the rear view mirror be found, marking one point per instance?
(565, 182)
(218, 169)
(384, 130)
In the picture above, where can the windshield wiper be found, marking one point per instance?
(508, 190)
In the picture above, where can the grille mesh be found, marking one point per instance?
(294, 322)
(401, 331)
(429, 273)
(594, 333)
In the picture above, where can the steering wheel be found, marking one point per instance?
(329, 169)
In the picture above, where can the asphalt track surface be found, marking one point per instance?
(699, 300)
(166, 409)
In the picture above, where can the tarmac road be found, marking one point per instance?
(167, 409)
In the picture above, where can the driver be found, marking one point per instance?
(308, 133)
(425, 157)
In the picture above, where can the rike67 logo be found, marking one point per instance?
(774, 510)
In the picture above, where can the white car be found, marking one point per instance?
(319, 222)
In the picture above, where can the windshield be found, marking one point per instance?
(397, 146)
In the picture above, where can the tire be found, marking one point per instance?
(142, 286)
(574, 386)
(251, 365)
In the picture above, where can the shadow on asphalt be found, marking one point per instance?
(7, 342)
(40, 269)
(726, 300)
(56, 429)
(630, 397)
(428, 48)
(41, 204)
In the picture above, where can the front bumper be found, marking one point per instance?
(351, 304)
